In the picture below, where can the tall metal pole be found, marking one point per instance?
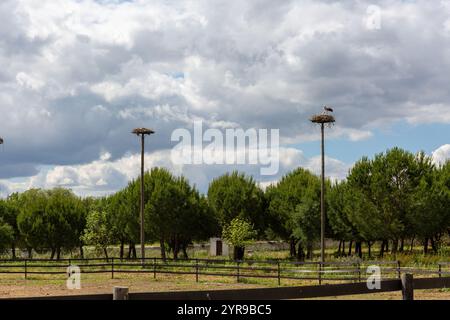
(322, 200)
(142, 132)
(322, 119)
(142, 200)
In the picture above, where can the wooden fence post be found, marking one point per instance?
(279, 273)
(26, 268)
(440, 270)
(359, 272)
(320, 273)
(154, 268)
(196, 270)
(112, 268)
(120, 293)
(238, 271)
(407, 286)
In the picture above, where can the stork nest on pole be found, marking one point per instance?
(323, 118)
(139, 131)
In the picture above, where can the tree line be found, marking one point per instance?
(394, 199)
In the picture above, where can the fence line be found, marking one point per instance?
(269, 269)
(407, 285)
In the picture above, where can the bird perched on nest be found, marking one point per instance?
(327, 109)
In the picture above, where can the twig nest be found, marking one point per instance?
(322, 118)
(140, 131)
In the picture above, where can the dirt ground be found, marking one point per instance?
(11, 287)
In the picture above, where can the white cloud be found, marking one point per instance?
(104, 176)
(441, 154)
(77, 76)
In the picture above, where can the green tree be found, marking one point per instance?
(6, 235)
(239, 233)
(98, 231)
(9, 210)
(31, 219)
(307, 217)
(64, 220)
(388, 196)
(290, 204)
(338, 209)
(124, 217)
(429, 218)
(237, 196)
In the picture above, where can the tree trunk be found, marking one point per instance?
(30, 252)
(411, 247)
(176, 247)
(383, 245)
(369, 246)
(133, 251)
(402, 244)
(292, 243)
(339, 248)
(239, 253)
(425, 246)
(343, 248)
(105, 251)
(81, 252)
(122, 243)
(163, 249)
(13, 251)
(394, 246)
(185, 254)
(309, 251)
(300, 252)
(433, 245)
(58, 253)
(358, 248)
(52, 254)
(350, 248)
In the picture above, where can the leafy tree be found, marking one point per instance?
(9, 210)
(237, 196)
(337, 213)
(289, 205)
(392, 196)
(239, 233)
(98, 231)
(124, 216)
(6, 235)
(160, 195)
(64, 220)
(429, 218)
(31, 219)
(307, 217)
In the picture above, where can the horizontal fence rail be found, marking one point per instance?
(303, 292)
(269, 269)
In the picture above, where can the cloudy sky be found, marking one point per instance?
(78, 75)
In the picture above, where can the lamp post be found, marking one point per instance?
(142, 132)
(323, 119)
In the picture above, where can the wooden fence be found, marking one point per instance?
(275, 269)
(406, 284)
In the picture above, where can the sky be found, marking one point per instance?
(78, 75)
